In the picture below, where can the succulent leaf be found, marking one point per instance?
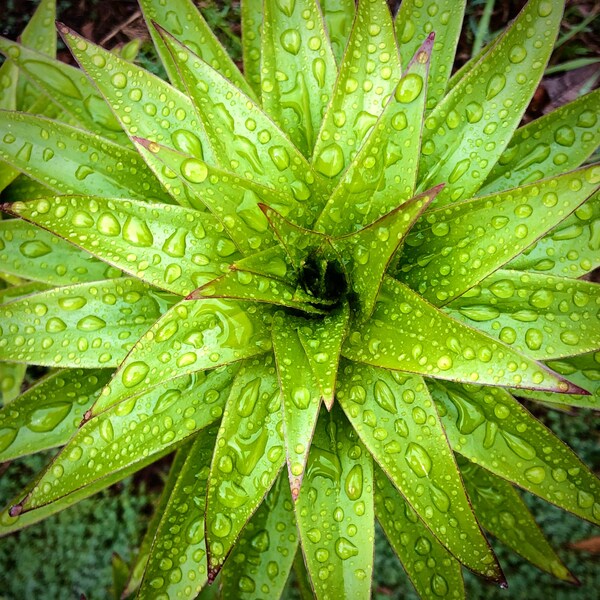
(486, 426)
(108, 315)
(414, 23)
(397, 422)
(35, 254)
(470, 236)
(295, 45)
(166, 246)
(247, 458)
(571, 249)
(151, 423)
(503, 513)
(43, 417)
(182, 19)
(263, 556)
(355, 108)
(474, 121)
(177, 558)
(338, 482)
(553, 144)
(549, 317)
(440, 346)
(432, 569)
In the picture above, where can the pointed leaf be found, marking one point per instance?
(374, 182)
(553, 144)
(298, 68)
(273, 263)
(177, 559)
(46, 415)
(11, 380)
(150, 424)
(251, 32)
(67, 86)
(98, 325)
(451, 249)
(396, 420)
(369, 73)
(231, 199)
(248, 456)
(234, 130)
(297, 241)
(16, 522)
(9, 77)
(571, 249)
(408, 334)
(33, 253)
(243, 285)
(70, 160)
(140, 562)
(182, 19)
(503, 513)
(584, 371)
(322, 341)
(153, 109)
(263, 555)
(414, 22)
(192, 336)
(486, 426)
(300, 395)
(338, 15)
(367, 253)
(540, 315)
(432, 569)
(338, 482)
(170, 247)
(469, 129)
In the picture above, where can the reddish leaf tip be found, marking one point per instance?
(15, 510)
(212, 574)
(86, 417)
(62, 28)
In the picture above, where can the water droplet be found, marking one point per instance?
(519, 446)
(221, 525)
(290, 40)
(301, 397)
(345, 549)
(134, 373)
(194, 170)
(409, 88)
(231, 494)
(385, 397)
(517, 54)
(108, 225)
(535, 474)
(119, 80)
(418, 459)
(106, 430)
(330, 161)
(7, 437)
(137, 232)
(248, 397)
(354, 483)
(46, 418)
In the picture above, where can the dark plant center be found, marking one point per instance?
(324, 279)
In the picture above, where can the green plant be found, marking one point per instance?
(331, 263)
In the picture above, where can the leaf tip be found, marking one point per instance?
(213, 571)
(62, 28)
(86, 417)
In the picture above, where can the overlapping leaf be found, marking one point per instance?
(30, 252)
(558, 142)
(396, 420)
(540, 315)
(262, 558)
(11, 380)
(453, 248)
(150, 422)
(571, 249)
(298, 68)
(338, 15)
(182, 19)
(469, 129)
(46, 415)
(368, 74)
(487, 426)
(338, 483)
(177, 560)
(67, 86)
(503, 513)
(406, 333)
(432, 569)
(417, 20)
(373, 184)
(248, 455)
(170, 247)
(98, 324)
(70, 160)
(192, 336)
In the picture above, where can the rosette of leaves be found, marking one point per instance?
(325, 282)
